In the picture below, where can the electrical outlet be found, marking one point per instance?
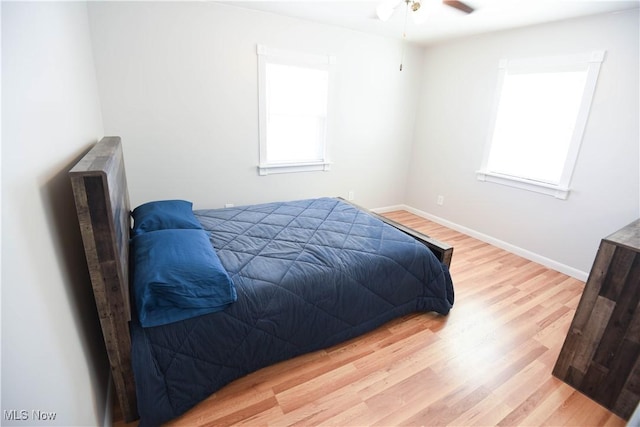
(352, 195)
(440, 200)
(228, 205)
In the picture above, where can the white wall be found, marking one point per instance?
(452, 125)
(178, 82)
(53, 356)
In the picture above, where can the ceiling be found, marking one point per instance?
(443, 22)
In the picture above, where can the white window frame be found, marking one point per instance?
(281, 56)
(591, 62)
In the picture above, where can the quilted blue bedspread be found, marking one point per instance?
(308, 274)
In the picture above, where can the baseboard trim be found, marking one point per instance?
(524, 253)
(390, 209)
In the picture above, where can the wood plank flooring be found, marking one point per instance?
(487, 363)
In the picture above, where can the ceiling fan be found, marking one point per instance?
(388, 7)
(418, 13)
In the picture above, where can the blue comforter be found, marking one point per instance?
(308, 274)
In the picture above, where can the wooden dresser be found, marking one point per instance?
(601, 353)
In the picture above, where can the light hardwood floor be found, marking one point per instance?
(487, 363)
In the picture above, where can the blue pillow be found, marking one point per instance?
(163, 215)
(177, 275)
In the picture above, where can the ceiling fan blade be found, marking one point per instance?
(458, 5)
(386, 8)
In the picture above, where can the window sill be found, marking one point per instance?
(268, 169)
(525, 184)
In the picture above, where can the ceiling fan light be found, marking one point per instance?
(421, 15)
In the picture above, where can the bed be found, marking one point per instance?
(298, 276)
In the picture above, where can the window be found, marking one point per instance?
(293, 106)
(540, 113)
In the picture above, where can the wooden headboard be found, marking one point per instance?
(102, 200)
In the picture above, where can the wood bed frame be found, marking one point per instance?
(102, 202)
